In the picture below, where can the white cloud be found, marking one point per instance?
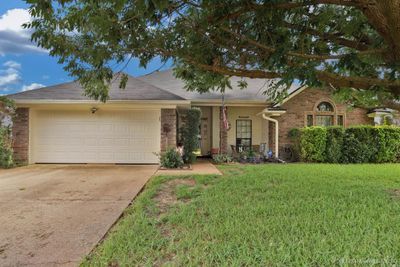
(32, 86)
(9, 79)
(13, 19)
(10, 75)
(14, 39)
(12, 64)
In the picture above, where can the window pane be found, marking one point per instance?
(310, 121)
(322, 120)
(325, 107)
(340, 120)
(243, 134)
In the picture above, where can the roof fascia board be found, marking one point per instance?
(295, 93)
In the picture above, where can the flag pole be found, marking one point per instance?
(223, 123)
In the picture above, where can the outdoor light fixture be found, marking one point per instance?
(94, 109)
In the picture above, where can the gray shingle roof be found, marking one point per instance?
(135, 90)
(167, 81)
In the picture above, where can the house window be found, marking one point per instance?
(243, 134)
(310, 120)
(325, 107)
(324, 115)
(324, 120)
(340, 120)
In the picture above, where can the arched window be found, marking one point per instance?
(325, 107)
(324, 114)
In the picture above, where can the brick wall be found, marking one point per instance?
(168, 128)
(20, 133)
(304, 102)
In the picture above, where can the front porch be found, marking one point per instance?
(249, 128)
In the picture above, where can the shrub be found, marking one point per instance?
(190, 134)
(313, 144)
(6, 151)
(294, 136)
(222, 158)
(334, 144)
(359, 145)
(171, 159)
(388, 144)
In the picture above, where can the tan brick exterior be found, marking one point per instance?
(305, 102)
(168, 128)
(20, 133)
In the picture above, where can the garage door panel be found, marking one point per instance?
(104, 137)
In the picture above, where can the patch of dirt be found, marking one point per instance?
(164, 200)
(395, 193)
(166, 197)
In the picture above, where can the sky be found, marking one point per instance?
(24, 66)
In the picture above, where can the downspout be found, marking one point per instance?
(276, 133)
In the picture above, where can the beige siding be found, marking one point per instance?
(215, 127)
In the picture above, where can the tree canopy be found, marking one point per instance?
(350, 46)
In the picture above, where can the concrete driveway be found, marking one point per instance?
(55, 214)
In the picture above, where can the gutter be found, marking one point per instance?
(276, 133)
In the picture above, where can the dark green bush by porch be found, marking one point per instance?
(359, 144)
(190, 134)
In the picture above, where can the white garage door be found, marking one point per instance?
(108, 136)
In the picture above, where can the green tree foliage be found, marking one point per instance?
(190, 134)
(352, 46)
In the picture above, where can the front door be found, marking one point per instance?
(205, 131)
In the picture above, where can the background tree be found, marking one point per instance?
(351, 46)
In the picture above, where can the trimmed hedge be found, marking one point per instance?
(359, 144)
(313, 144)
(334, 144)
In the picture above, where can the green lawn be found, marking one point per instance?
(264, 215)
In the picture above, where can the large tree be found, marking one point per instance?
(350, 46)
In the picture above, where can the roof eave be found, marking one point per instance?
(229, 102)
(67, 101)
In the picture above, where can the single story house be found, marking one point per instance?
(58, 124)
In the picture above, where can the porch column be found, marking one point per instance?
(276, 142)
(223, 133)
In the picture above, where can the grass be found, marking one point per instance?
(264, 215)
